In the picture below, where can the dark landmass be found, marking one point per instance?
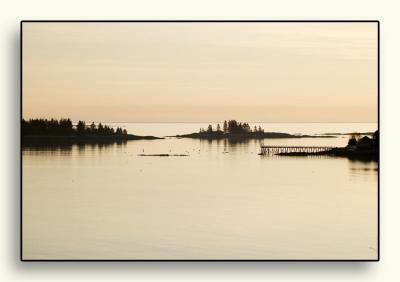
(364, 148)
(163, 155)
(249, 135)
(43, 131)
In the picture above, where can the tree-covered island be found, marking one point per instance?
(232, 129)
(63, 130)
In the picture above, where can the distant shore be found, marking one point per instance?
(352, 133)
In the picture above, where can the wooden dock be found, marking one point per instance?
(272, 150)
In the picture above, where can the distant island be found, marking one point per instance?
(238, 130)
(38, 131)
(351, 133)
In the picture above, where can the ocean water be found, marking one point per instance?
(223, 201)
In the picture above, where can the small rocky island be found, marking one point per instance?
(53, 131)
(238, 130)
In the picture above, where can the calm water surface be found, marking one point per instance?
(223, 201)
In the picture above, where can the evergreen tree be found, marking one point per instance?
(93, 128)
(80, 127)
(352, 141)
(100, 128)
(246, 127)
(232, 126)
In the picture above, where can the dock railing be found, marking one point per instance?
(270, 149)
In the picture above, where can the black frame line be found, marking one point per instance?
(196, 21)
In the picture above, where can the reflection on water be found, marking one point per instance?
(104, 201)
(68, 149)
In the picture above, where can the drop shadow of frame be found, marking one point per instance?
(113, 268)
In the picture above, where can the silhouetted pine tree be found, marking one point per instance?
(81, 127)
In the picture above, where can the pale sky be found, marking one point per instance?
(198, 72)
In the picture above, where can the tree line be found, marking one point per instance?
(234, 127)
(64, 126)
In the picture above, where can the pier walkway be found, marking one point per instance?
(271, 150)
